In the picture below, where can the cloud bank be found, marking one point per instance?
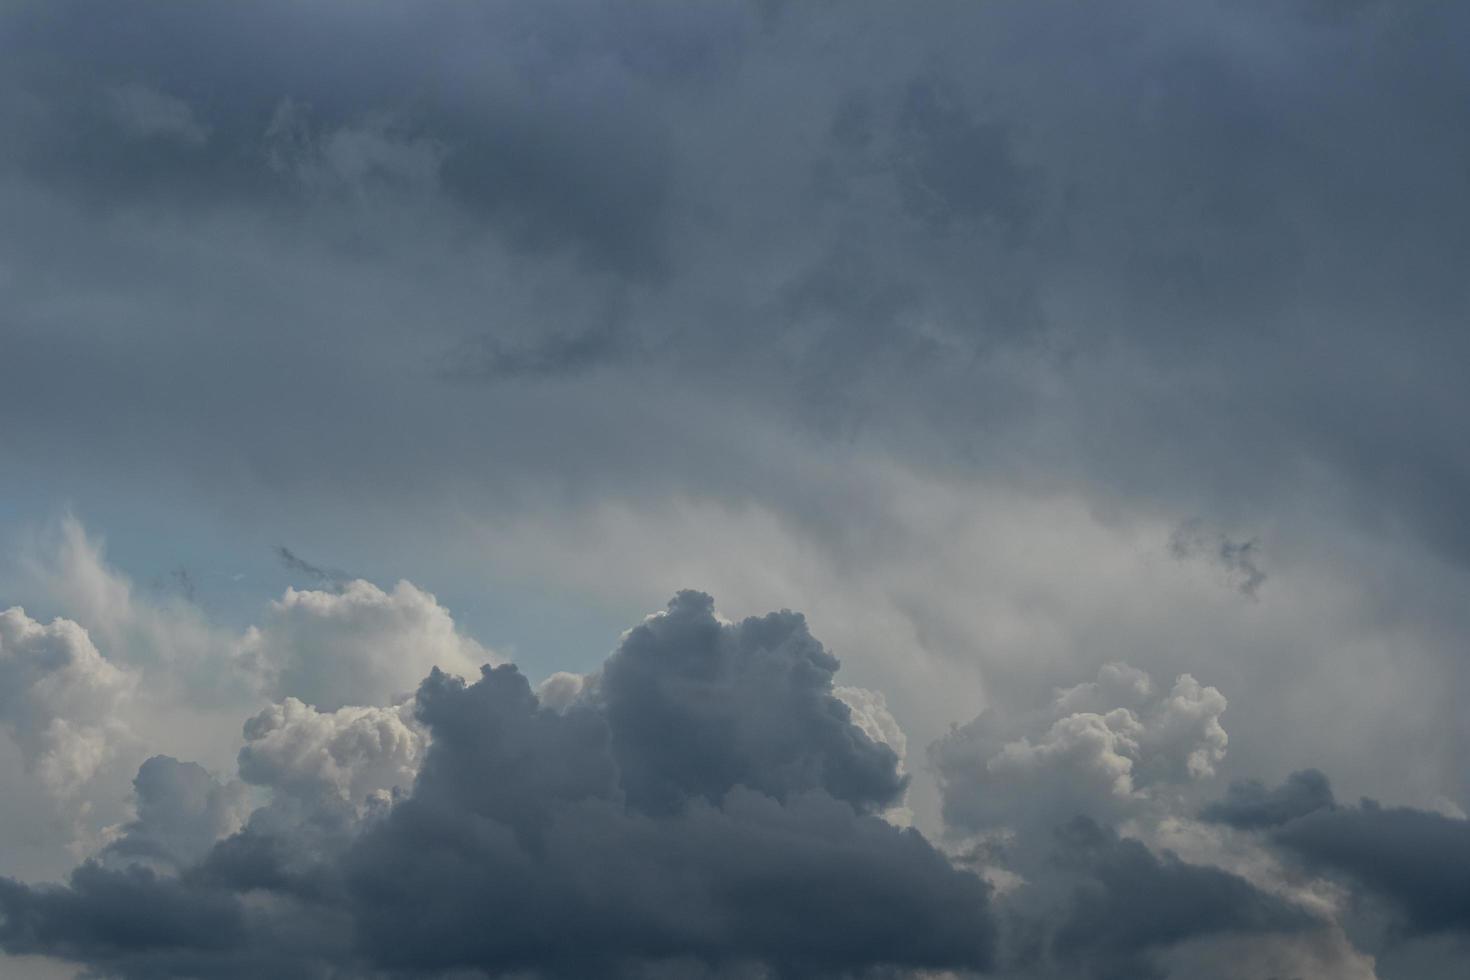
(710, 802)
(695, 808)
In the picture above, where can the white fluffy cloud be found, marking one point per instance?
(348, 754)
(167, 640)
(563, 688)
(127, 674)
(357, 646)
(870, 713)
(59, 699)
(1102, 749)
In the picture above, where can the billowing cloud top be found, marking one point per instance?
(708, 802)
(700, 806)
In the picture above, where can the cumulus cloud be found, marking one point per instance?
(693, 806)
(1102, 749)
(181, 811)
(352, 643)
(563, 689)
(697, 808)
(1081, 811)
(351, 754)
(756, 702)
(59, 699)
(358, 645)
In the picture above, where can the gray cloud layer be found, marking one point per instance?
(1177, 270)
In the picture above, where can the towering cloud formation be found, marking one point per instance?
(705, 804)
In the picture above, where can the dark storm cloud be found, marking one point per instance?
(1250, 805)
(114, 918)
(706, 804)
(755, 703)
(1419, 861)
(1133, 903)
(1416, 862)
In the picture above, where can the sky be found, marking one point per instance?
(746, 491)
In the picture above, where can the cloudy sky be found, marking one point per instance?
(594, 488)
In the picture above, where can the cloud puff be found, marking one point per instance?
(1101, 750)
(1073, 809)
(562, 689)
(349, 754)
(357, 646)
(59, 699)
(697, 808)
(756, 704)
(181, 812)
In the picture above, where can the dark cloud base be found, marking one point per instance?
(1417, 861)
